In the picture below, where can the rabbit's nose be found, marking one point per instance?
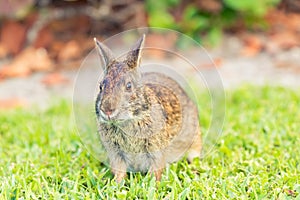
(108, 110)
(108, 113)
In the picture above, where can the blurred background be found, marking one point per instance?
(43, 42)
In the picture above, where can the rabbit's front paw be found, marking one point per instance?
(118, 168)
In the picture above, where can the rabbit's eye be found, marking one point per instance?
(128, 86)
(102, 84)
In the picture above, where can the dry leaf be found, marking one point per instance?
(285, 40)
(161, 41)
(214, 6)
(14, 70)
(44, 38)
(217, 62)
(70, 51)
(54, 79)
(13, 36)
(284, 30)
(39, 60)
(11, 103)
(3, 51)
(252, 46)
(27, 61)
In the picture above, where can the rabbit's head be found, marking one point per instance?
(120, 89)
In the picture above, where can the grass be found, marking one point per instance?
(257, 157)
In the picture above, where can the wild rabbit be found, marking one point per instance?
(145, 120)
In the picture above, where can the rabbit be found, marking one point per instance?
(145, 120)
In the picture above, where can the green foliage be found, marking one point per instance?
(159, 18)
(251, 7)
(199, 23)
(257, 157)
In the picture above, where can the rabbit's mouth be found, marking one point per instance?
(108, 116)
(114, 118)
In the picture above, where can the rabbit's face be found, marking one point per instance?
(119, 97)
(118, 93)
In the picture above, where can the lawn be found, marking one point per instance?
(257, 156)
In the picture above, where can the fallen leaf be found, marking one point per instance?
(74, 64)
(39, 60)
(156, 53)
(86, 43)
(44, 38)
(74, 24)
(252, 45)
(13, 36)
(27, 61)
(167, 41)
(55, 47)
(214, 6)
(14, 70)
(217, 62)
(160, 45)
(11, 103)
(54, 79)
(3, 51)
(283, 30)
(288, 66)
(279, 20)
(31, 18)
(70, 51)
(285, 39)
(272, 48)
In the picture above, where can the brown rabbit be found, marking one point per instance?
(145, 120)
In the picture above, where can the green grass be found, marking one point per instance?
(257, 157)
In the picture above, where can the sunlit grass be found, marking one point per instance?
(257, 156)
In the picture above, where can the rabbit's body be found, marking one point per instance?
(145, 120)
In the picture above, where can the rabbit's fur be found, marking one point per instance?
(145, 120)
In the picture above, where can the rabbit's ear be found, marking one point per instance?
(134, 56)
(104, 52)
